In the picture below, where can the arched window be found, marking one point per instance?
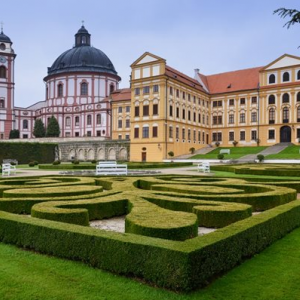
(2, 72)
(89, 120)
(68, 121)
(98, 119)
(272, 78)
(298, 114)
(2, 103)
(111, 88)
(298, 97)
(60, 90)
(271, 99)
(272, 115)
(298, 75)
(25, 124)
(83, 89)
(285, 115)
(285, 98)
(286, 76)
(77, 121)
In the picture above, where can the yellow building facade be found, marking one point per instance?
(171, 113)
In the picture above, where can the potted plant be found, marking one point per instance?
(234, 143)
(217, 144)
(192, 150)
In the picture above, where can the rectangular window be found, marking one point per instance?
(146, 90)
(189, 134)
(183, 95)
(2, 105)
(120, 109)
(98, 133)
(77, 121)
(171, 90)
(146, 110)
(214, 137)
(189, 97)
(136, 111)
(215, 120)
(253, 135)
(154, 131)
(136, 91)
(177, 93)
(231, 119)
(89, 133)
(231, 136)
(177, 112)
(254, 100)
(155, 88)
(183, 133)
(189, 115)
(207, 122)
(298, 133)
(215, 103)
(145, 132)
(242, 135)
(68, 121)
(89, 120)
(199, 136)
(136, 133)
(203, 119)
(203, 137)
(220, 120)
(242, 101)
(120, 136)
(77, 133)
(242, 118)
(128, 109)
(199, 118)
(231, 102)
(220, 103)
(127, 123)
(171, 132)
(194, 135)
(194, 118)
(155, 109)
(183, 114)
(219, 136)
(177, 132)
(171, 111)
(127, 137)
(253, 117)
(271, 134)
(119, 123)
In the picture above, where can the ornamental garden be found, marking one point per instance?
(163, 243)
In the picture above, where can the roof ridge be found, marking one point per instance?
(232, 71)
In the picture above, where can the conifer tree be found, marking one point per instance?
(53, 129)
(39, 129)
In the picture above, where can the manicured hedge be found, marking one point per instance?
(26, 152)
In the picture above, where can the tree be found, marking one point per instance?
(39, 129)
(285, 12)
(53, 129)
(14, 134)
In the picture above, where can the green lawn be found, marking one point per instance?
(235, 152)
(272, 274)
(291, 152)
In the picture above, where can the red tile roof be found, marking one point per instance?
(246, 79)
(121, 94)
(183, 78)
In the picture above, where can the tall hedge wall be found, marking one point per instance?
(26, 152)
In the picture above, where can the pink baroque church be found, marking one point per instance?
(77, 86)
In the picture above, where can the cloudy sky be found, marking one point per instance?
(215, 36)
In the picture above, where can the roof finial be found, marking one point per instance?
(82, 23)
(2, 27)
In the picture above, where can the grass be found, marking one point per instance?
(273, 274)
(291, 152)
(235, 152)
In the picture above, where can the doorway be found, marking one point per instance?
(144, 156)
(285, 134)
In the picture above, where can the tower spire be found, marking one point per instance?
(2, 27)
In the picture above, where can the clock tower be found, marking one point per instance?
(7, 61)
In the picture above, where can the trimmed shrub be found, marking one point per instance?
(31, 164)
(56, 162)
(221, 156)
(75, 162)
(260, 157)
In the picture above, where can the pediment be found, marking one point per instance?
(283, 61)
(147, 57)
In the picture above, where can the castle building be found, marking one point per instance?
(164, 112)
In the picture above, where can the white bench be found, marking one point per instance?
(204, 167)
(111, 168)
(7, 169)
(225, 151)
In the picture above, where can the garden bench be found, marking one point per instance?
(7, 169)
(9, 161)
(225, 151)
(204, 167)
(110, 168)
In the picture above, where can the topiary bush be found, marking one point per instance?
(75, 162)
(260, 157)
(31, 164)
(56, 162)
(221, 156)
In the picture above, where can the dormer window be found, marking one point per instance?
(272, 79)
(111, 88)
(2, 46)
(286, 77)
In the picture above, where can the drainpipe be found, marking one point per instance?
(258, 112)
(166, 116)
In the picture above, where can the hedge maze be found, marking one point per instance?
(161, 244)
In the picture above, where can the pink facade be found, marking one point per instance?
(76, 85)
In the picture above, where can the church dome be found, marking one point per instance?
(82, 58)
(4, 38)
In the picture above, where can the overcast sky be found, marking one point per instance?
(215, 36)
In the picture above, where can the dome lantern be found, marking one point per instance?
(82, 37)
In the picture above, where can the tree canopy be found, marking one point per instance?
(39, 129)
(294, 14)
(14, 134)
(53, 129)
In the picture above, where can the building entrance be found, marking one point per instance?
(285, 134)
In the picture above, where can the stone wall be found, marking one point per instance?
(94, 150)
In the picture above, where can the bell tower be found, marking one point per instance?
(7, 85)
